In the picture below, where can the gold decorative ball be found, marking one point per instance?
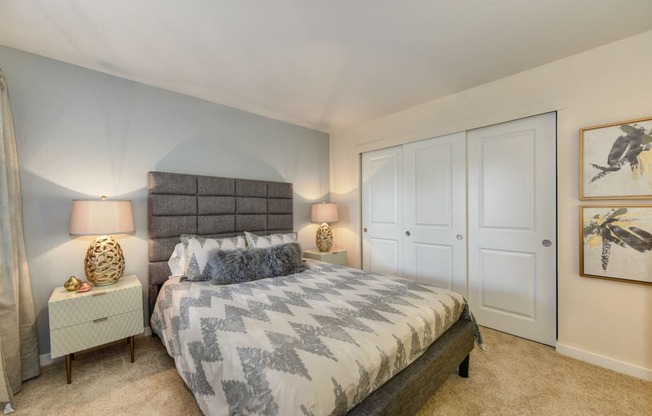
(72, 283)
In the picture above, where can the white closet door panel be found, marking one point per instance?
(383, 256)
(435, 211)
(382, 210)
(508, 168)
(384, 190)
(431, 174)
(434, 265)
(509, 293)
(512, 217)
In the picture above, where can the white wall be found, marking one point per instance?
(606, 322)
(81, 134)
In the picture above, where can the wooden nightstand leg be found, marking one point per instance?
(131, 347)
(69, 368)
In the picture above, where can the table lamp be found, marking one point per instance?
(324, 213)
(104, 263)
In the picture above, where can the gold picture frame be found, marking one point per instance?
(616, 242)
(616, 160)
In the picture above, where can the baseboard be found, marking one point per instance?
(606, 362)
(46, 359)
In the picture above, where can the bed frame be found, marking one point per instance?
(225, 207)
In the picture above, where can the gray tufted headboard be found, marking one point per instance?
(209, 206)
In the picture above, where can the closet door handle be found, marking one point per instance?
(364, 229)
(407, 234)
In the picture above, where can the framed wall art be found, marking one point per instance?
(616, 242)
(616, 160)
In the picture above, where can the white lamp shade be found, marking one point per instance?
(323, 213)
(101, 217)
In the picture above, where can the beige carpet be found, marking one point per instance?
(513, 377)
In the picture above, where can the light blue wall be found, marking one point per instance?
(81, 134)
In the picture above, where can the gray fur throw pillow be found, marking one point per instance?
(241, 265)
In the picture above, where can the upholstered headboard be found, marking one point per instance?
(209, 206)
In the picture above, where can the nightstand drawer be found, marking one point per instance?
(70, 308)
(334, 257)
(93, 333)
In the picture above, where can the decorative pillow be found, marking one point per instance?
(262, 241)
(237, 266)
(199, 249)
(177, 262)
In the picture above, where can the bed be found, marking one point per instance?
(390, 373)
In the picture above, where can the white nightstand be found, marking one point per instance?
(334, 256)
(79, 321)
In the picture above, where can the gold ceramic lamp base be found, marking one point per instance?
(104, 263)
(324, 238)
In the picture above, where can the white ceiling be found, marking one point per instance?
(325, 64)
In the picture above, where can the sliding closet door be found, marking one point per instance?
(382, 212)
(434, 195)
(512, 227)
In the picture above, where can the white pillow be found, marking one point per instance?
(198, 251)
(177, 262)
(263, 241)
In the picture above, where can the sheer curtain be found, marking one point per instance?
(18, 341)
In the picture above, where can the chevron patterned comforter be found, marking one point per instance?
(313, 343)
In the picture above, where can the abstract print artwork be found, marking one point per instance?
(616, 242)
(616, 160)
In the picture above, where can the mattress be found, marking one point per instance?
(312, 343)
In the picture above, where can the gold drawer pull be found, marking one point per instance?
(100, 320)
(99, 294)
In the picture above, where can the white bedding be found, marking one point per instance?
(313, 343)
